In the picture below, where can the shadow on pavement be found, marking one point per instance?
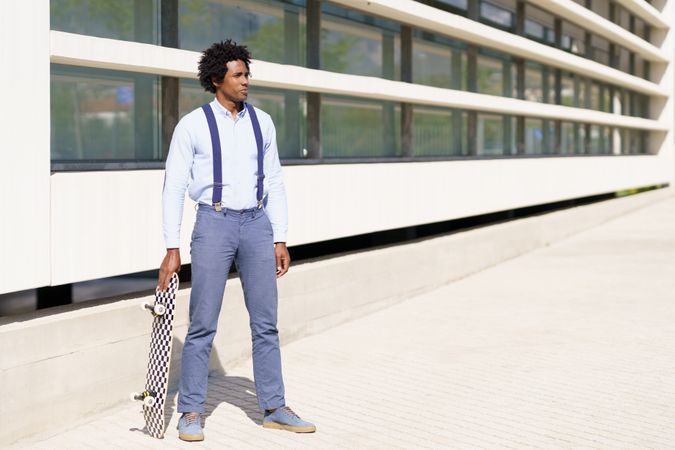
(237, 391)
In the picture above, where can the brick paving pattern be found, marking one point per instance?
(570, 346)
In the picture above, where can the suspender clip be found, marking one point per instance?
(260, 204)
(218, 207)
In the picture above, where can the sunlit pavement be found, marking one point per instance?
(568, 346)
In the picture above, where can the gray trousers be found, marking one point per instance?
(219, 238)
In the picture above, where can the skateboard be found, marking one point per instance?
(157, 380)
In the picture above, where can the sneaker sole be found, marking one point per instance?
(191, 437)
(278, 426)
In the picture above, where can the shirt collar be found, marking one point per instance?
(215, 104)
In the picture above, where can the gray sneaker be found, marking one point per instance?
(285, 419)
(190, 427)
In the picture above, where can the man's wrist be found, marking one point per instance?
(172, 250)
(281, 242)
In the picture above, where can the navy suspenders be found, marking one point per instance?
(217, 158)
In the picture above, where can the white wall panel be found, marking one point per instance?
(24, 144)
(109, 223)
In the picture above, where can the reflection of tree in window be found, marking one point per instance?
(105, 18)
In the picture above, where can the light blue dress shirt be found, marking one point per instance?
(189, 165)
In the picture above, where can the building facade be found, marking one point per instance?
(389, 114)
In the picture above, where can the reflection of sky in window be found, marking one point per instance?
(496, 14)
(534, 29)
(461, 4)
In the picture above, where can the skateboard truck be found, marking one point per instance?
(157, 309)
(147, 397)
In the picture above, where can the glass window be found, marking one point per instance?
(624, 59)
(489, 135)
(601, 8)
(600, 139)
(495, 74)
(272, 31)
(354, 43)
(103, 115)
(539, 25)
(567, 141)
(353, 128)
(573, 38)
(580, 136)
(448, 5)
(128, 20)
(439, 132)
(567, 89)
(548, 138)
(439, 62)
(496, 15)
(534, 136)
(600, 49)
(596, 99)
(534, 82)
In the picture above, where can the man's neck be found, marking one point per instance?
(232, 107)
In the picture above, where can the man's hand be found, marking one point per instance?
(283, 258)
(170, 264)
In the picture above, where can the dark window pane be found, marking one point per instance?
(129, 20)
(354, 43)
(439, 64)
(534, 136)
(354, 128)
(272, 31)
(439, 132)
(490, 135)
(496, 15)
(103, 115)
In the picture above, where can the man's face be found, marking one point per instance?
(235, 83)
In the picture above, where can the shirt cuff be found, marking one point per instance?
(172, 243)
(279, 236)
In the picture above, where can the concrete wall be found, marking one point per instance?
(24, 145)
(68, 364)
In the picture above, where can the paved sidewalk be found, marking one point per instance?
(570, 346)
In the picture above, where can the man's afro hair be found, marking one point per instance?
(213, 63)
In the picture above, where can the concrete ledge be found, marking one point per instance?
(61, 368)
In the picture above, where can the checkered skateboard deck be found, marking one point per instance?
(161, 338)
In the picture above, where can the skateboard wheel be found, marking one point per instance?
(149, 401)
(134, 396)
(143, 305)
(159, 309)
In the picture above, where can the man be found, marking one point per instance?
(226, 153)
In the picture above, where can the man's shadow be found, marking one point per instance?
(237, 391)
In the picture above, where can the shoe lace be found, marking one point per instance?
(191, 418)
(289, 411)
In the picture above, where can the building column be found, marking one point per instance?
(557, 88)
(170, 86)
(472, 83)
(314, 148)
(291, 148)
(144, 90)
(456, 83)
(520, 78)
(406, 76)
